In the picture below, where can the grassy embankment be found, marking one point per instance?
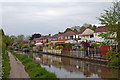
(5, 65)
(34, 70)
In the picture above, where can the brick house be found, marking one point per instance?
(42, 39)
(66, 36)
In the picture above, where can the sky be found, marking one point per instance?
(48, 16)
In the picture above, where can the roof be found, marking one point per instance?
(83, 30)
(43, 37)
(68, 33)
(101, 29)
(55, 36)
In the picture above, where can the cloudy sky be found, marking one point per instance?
(48, 16)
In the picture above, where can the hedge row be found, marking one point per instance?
(34, 70)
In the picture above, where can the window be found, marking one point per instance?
(74, 36)
(61, 37)
(68, 37)
(65, 37)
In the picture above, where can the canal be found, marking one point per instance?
(74, 68)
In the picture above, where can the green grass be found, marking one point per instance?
(34, 70)
(5, 65)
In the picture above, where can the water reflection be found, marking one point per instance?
(72, 68)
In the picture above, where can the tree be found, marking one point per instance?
(83, 27)
(110, 20)
(19, 40)
(35, 36)
(93, 28)
(7, 40)
(86, 25)
(75, 30)
(68, 29)
(1, 32)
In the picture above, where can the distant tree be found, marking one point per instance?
(19, 40)
(68, 29)
(13, 37)
(93, 28)
(75, 30)
(35, 36)
(76, 27)
(27, 38)
(90, 26)
(86, 25)
(83, 27)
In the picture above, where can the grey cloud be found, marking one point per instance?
(45, 18)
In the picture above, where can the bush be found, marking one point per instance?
(68, 45)
(32, 45)
(94, 44)
(82, 49)
(59, 47)
(25, 46)
(114, 59)
(47, 45)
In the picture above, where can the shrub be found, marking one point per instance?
(82, 49)
(114, 59)
(47, 45)
(32, 45)
(94, 44)
(59, 47)
(25, 46)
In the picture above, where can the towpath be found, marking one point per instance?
(17, 68)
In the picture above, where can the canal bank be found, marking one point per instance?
(102, 61)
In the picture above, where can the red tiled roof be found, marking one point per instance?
(43, 37)
(56, 36)
(101, 29)
(68, 33)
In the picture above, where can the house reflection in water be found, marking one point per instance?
(75, 68)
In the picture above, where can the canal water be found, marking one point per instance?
(73, 68)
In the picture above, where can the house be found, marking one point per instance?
(104, 30)
(84, 34)
(42, 39)
(99, 30)
(66, 36)
(55, 37)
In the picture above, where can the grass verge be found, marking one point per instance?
(5, 65)
(34, 70)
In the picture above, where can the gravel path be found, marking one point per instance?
(17, 68)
